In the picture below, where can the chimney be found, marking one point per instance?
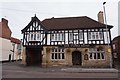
(5, 21)
(100, 17)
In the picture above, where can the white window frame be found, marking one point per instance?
(80, 35)
(57, 36)
(59, 52)
(93, 52)
(95, 35)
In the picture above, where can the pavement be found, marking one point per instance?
(16, 70)
(19, 66)
(90, 70)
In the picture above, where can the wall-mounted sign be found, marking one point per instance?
(76, 45)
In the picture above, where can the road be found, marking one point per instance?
(16, 70)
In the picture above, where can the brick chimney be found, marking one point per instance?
(100, 17)
(4, 21)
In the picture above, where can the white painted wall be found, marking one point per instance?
(16, 52)
(5, 49)
(6, 46)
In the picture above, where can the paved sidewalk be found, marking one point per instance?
(91, 70)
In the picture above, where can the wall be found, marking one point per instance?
(68, 58)
(6, 47)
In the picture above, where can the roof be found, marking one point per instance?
(83, 22)
(116, 38)
(15, 40)
(31, 22)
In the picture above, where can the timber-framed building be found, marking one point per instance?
(67, 41)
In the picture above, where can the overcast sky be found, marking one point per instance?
(19, 13)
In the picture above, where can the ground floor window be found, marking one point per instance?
(57, 54)
(95, 54)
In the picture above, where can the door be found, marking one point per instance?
(34, 56)
(76, 58)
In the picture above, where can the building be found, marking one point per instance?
(8, 48)
(116, 49)
(67, 41)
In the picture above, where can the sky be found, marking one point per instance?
(19, 12)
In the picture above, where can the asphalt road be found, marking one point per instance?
(16, 70)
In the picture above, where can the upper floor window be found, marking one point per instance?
(80, 35)
(75, 35)
(33, 36)
(71, 36)
(95, 35)
(57, 36)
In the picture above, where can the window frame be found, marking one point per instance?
(57, 54)
(95, 53)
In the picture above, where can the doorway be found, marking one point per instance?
(76, 58)
(34, 56)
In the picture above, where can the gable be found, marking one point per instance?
(34, 25)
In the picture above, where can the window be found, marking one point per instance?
(57, 54)
(96, 54)
(80, 35)
(57, 36)
(33, 36)
(70, 36)
(86, 57)
(113, 46)
(115, 55)
(95, 35)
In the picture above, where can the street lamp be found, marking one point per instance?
(111, 57)
(105, 22)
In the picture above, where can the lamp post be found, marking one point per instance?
(105, 22)
(111, 57)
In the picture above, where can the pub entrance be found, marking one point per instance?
(33, 56)
(76, 58)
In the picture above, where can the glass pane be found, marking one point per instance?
(55, 50)
(93, 35)
(102, 55)
(59, 50)
(101, 36)
(52, 55)
(52, 50)
(55, 55)
(98, 56)
(71, 36)
(90, 55)
(94, 55)
(97, 35)
(59, 56)
(63, 56)
(89, 35)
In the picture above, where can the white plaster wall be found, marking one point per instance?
(5, 49)
(16, 51)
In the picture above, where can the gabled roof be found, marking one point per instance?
(33, 19)
(15, 40)
(83, 22)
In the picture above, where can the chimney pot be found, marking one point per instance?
(5, 21)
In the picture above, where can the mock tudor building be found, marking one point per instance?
(67, 41)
